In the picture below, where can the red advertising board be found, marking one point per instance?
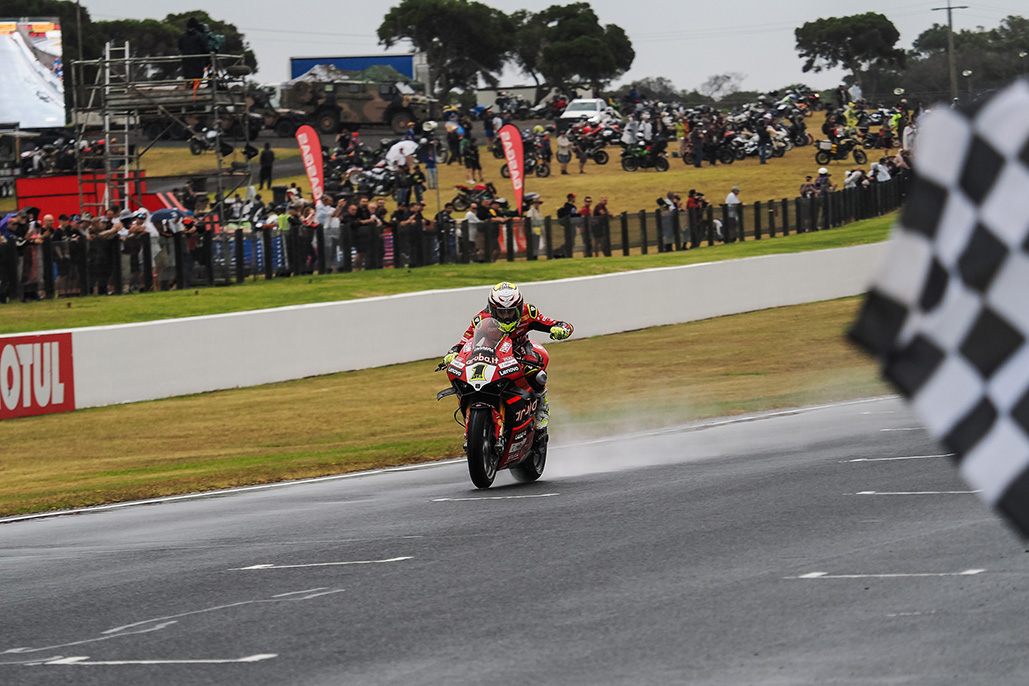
(36, 375)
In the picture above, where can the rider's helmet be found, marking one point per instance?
(537, 129)
(505, 306)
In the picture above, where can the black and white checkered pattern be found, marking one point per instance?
(949, 312)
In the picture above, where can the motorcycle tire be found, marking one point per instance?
(778, 152)
(460, 203)
(726, 156)
(531, 468)
(787, 145)
(822, 157)
(504, 171)
(482, 461)
(687, 159)
(630, 164)
(601, 157)
(661, 164)
(542, 170)
(801, 139)
(498, 152)
(196, 147)
(739, 154)
(859, 156)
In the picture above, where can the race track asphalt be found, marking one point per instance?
(830, 545)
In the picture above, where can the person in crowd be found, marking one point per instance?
(734, 210)
(534, 215)
(471, 217)
(564, 151)
(418, 183)
(266, 162)
(194, 50)
(431, 169)
(470, 154)
(807, 189)
(823, 184)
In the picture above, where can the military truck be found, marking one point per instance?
(334, 99)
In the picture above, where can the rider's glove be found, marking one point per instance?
(448, 358)
(559, 333)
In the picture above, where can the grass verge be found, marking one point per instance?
(389, 416)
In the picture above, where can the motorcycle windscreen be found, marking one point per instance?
(487, 334)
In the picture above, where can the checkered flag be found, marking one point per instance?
(948, 314)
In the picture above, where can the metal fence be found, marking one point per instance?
(215, 256)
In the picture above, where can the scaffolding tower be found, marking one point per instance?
(116, 95)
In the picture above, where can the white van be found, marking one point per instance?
(582, 109)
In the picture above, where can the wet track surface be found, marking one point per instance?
(828, 546)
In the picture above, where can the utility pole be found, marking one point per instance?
(950, 45)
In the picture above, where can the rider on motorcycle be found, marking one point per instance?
(516, 318)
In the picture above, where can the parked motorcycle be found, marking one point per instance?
(533, 165)
(651, 157)
(209, 139)
(466, 196)
(498, 408)
(828, 151)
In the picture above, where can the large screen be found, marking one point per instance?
(31, 73)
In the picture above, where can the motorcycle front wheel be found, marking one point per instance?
(600, 157)
(630, 164)
(542, 170)
(822, 157)
(859, 156)
(505, 171)
(661, 164)
(726, 156)
(482, 462)
(195, 146)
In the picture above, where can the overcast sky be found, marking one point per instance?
(682, 40)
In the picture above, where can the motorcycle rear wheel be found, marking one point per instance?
(859, 156)
(601, 157)
(822, 157)
(461, 203)
(630, 164)
(739, 154)
(482, 462)
(505, 171)
(195, 146)
(542, 170)
(726, 156)
(531, 468)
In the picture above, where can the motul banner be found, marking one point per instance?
(311, 152)
(36, 375)
(511, 138)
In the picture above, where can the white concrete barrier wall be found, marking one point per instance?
(133, 362)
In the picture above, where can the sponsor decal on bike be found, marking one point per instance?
(36, 375)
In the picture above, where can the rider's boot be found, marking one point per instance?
(543, 411)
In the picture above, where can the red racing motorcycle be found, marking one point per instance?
(498, 406)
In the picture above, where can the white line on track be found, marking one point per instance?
(82, 660)
(906, 428)
(905, 457)
(916, 492)
(321, 564)
(826, 575)
(493, 497)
